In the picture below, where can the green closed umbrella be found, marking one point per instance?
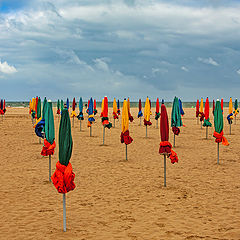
(218, 125)
(62, 105)
(65, 138)
(39, 108)
(176, 120)
(49, 124)
(44, 108)
(58, 107)
(63, 177)
(236, 111)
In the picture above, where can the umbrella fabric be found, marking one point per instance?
(39, 128)
(90, 113)
(73, 114)
(1, 107)
(115, 116)
(49, 141)
(218, 125)
(197, 108)
(206, 115)
(58, 107)
(147, 113)
(129, 114)
(44, 108)
(230, 115)
(125, 138)
(181, 107)
(33, 107)
(102, 107)
(95, 107)
(39, 107)
(165, 145)
(213, 107)
(80, 115)
(67, 104)
(62, 106)
(4, 106)
(105, 121)
(201, 113)
(157, 113)
(63, 177)
(118, 107)
(222, 104)
(236, 111)
(140, 114)
(36, 107)
(176, 120)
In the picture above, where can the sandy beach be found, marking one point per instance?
(118, 199)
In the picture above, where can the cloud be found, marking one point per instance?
(238, 71)
(208, 61)
(5, 68)
(184, 69)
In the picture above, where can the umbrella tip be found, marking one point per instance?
(217, 99)
(49, 100)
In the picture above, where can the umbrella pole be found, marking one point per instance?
(206, 132)
(64, 213)
(230, 128)
(140, 120)
(73, 122)
(197, 120)
(173, 140)
(80, 125)
(165, 170)
(201, 124)
(90, 130)
(157, 123)
(218, 153)
(114, 123)
(40, 140)
(146, 131)
(235, 120)
(103, 134)
(126, 152)
(49, 168)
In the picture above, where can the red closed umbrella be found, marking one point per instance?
(165, 145)
(213, 107)
(74, 104)
(222, 104)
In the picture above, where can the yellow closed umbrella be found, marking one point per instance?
(115, 116)
(147, 113)
(102, 108)
(129, 114)
(230, 115)
(125, 138)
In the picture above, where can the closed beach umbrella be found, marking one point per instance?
(63, 177)
(80, 115)
(125, 137)
(67, 104)
(62, 106)
(129, 113)
(197, 109)
(73, 114)
(147, 113)
(39, 108)
(90, 115)
(36, 107)
(58, 107)
(95, 107)
(236, 111)
(118, 107)
(157, 113)
(181, 107)
(176, 120)
(201, 113)
(230, 115)
(165, 145)
(206, 115)
(140, 114)
(115, 116)
(44, 108)
(222, 104)
(218, 125)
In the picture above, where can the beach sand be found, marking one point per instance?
(115, 198)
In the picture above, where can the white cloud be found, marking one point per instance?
(238, 71)
(184, 69)
(101, 64)
(208, 61)
(5, 68)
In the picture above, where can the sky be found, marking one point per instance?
(119, 48)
